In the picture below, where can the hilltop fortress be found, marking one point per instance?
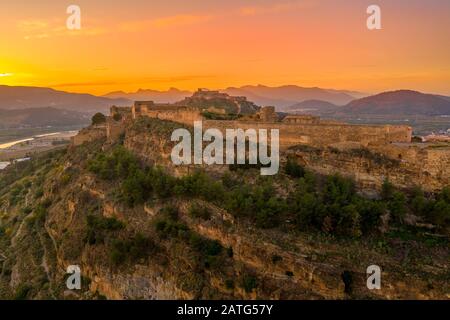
(294, 129)
(368, 153)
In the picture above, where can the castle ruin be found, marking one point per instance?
(294, 129)
(355, 150)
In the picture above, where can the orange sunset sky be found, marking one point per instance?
(127, 45)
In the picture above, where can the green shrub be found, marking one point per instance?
(198, 211)
(338, 190)
(370, 212)
(228, 181)
(205, 246)
(135, 189)
(169, 228)
(387, 190)
(27, 210)
(98, 118)
(65, 179)
(440, 213)
(348, 222)
(131, 250)
(22, 292)
(249, 283)
(98, 227)
(445, 194)
(39, 193)
(229, 284)
(120, 163)
(276, 258)
(397, 206)
(419, 202)
(304, 206)
(170, 212)
(293, 169)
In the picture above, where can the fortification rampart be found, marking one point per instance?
(293, 130)
(343, 146)
(182, 115)
(404, 165)
(319, 134)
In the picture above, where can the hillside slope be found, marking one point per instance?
(314, 106)
(37, 97)
(141, 229)
(41, 117)
(170, 96)
(402, 102)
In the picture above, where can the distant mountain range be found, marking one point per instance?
(55, 106)
(285, 96)
(36, 97)
(281, 97)
(170, 96)
(394, 103)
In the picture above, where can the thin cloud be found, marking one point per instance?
(32, 25)
(42, 29)
(181, 20)
(165, 22)
(275, 8)
(133, 81)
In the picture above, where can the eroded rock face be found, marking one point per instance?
(405, 167)
(290, 269)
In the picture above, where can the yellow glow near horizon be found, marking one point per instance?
(215, 44)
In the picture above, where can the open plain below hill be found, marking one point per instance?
(42, 117)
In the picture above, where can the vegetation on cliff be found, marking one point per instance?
(329, 204)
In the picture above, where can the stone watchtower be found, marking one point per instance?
(140, 107)
(115, 122)
(268, 114)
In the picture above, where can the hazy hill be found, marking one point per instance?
(285, 96)
(313, 106)
(401, 102)
(36, 97)
(170, 96)
(280, 97)
(36, 117)
(443, 97)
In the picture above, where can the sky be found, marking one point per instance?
(132, 44)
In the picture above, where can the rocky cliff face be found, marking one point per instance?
(405, 167)
(82, 221)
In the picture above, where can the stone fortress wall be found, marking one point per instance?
(181, 114)
(89, 134)
(293, 129)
